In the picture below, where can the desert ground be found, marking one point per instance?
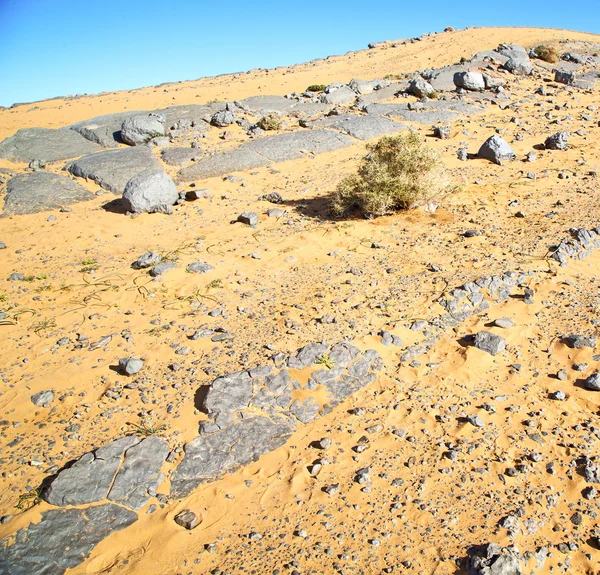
(440, 448)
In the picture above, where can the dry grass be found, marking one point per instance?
(268, 123)
(547, 53)
(399, 172)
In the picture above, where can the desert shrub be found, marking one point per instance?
(316, 88)
(546, 53)
(399, 172)
(270, 122)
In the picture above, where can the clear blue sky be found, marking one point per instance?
(58, 47)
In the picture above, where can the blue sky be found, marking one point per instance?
(60, 47)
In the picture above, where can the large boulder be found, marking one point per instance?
(471, 80)
(34, 192)
(420, 88)
(518, 61)
(46, 145)
(112, 169)
(140, 129)
(496, 150)
(150, 191)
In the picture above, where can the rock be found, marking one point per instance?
(305, 411)
(273, 197)
(124, 471)
(489, 342)
(199, 267)
(147, 260)
(62, 539)
(442, 132)
(248, 218)
(472, 81)
(130, 365)
(496, 150)
(557, 141)
(275, 213)
(581, 341)
(420, 88)
(262, 151)
(180, 156)
(113, 169)
(519, 67)
(593, 382)
(362, 127)
(564, 77)
(16, 277)
(161, 268)
(187, 519)
(46, 145)
(504, 322)
(149, 192)
(462, 154)
(265, 105)
(223, 118)
(104, 130)
(2, 246)
(42, 398)
(34, 192)
(339, 97)
(492, 82)
(491, 559)
(140, 129)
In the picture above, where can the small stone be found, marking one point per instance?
(130, 365)
(199, 267)
(557, 141)
(558, 396)
(504, 322)
(593, 382)
(187, 519)
(248, 218)
(489, 342)
(42, 398)
(462, 154)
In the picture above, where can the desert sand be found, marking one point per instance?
(437, 486)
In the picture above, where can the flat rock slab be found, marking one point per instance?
(180, 156)
(61, 540)
(362, 127)
(123, 471)
(384, 93)
(212, 455)
(260, 152)
(104, 130)
(112, 169)
(35, 192)
(45, 144)
(266, 104)
(193, 112)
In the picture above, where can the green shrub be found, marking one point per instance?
(316, 88)
(270, 122)
(399, 172)
(548, 54)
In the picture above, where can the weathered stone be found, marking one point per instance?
(420, 88)
(362, 127)
(210, 456)
(558, 141)
(496, 150)
(104, 130)
(519, 67)
(305, 411)
(42, 397)
(263, 105)
(139, 476)
(149, 191)
(339, 97)
(46, 145)
(593, 382)
(199, 267)
(470, 80)
(564, 77)
(248, 218)
(61, 540)
(147, 260)
(161, 268)
(180, 156)
(228, 394)
(489, 342)
(187, 519)
(308, 355)
(223, 118)
(112, 169)
(140, 129)
(130, 365)
(35, 192)
(89, 479)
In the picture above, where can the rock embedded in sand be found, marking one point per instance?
(496, 150)
(187, 519)
(489, 342)
(130, 365)
(558, 141)
(147, 260)
(150, 191)
(248, 218)
(564, 77)
(504, 322)
(140, 129)
(199, 267)
(42, 398)
(593, 382)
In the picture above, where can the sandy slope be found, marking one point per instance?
(276, 282)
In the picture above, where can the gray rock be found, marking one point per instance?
(223, 118)
(593, 382)
(305, 411)
(89, 479)
(104, 130)
(462, 154)
(2, 246)
(149, 192)
(519, 67)
(181, 156)
(442, 132)
(362, 127)
(489, 342)
(581, 341)
(34, 192)
(275, 212)
(278, 148)
(112, 169)
(42, 397)
(46, 145)
(558, 141)
(504, 322)
(187, 519)
(140, 129)
(470, 80)
(140, 476)
(264, 105)
(228, 394)
(147, 260)
(16, 277)
(130, 365)
(162, 268)
(496, 150)
(564, 77)
(420, 88)
(248, 218)
(199, 267)
(210, 456)
(61, 540)
(492, 82)
(339, 97)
